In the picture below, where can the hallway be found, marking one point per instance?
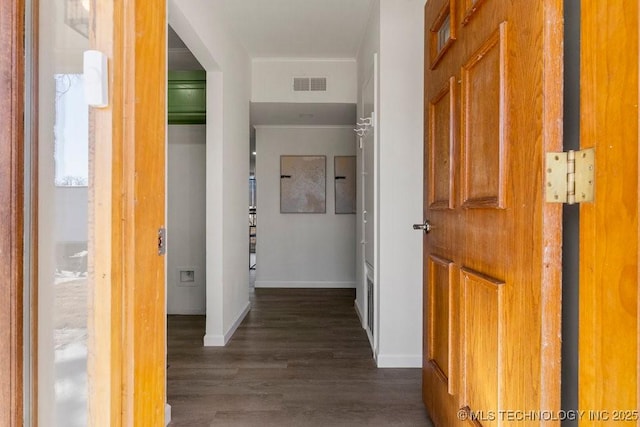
(300, 358)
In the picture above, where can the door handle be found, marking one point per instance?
(426, 227)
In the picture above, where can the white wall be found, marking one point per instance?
(201, 25)
(400, 182)
(272, 80)
(186, 216)
(302, 250)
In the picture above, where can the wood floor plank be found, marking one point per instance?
(300, 358)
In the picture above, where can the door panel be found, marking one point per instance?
(483, 124)
(441, 283)
(493, 230)
(442, 132)
(609, 358)
(482, 342)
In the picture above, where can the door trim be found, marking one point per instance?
(11, 210)
(551, 283)
(609, 328)
(127, 313)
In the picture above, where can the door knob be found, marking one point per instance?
(426, 227)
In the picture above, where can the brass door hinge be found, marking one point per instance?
(570, 176)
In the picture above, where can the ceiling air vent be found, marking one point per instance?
(301, 84)
(306, 84)
(318, 84)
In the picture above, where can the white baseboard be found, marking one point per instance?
(222, 340)
(187, 312)
(284, 284)
(237, 322)
(399, 361)
(359, 313)
(363, 322)
(370, 337)
(213, 340)
(167, 414)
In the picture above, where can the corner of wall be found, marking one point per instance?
(228, 68)
(237, 322)
(213, 340)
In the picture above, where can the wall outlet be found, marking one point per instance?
(186, 276)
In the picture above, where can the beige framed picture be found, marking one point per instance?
(303, 184)
(345, 184)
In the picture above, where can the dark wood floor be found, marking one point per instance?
(300, 358)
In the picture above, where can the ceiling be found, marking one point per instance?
(298, 28)
(173, 40)
(179, 57)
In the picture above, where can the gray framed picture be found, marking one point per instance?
(345, 184)
(303, 182)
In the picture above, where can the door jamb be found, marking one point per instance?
(127, 310)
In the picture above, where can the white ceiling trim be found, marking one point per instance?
(298, 59)
(303, 126)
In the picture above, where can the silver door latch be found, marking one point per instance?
(426, 227)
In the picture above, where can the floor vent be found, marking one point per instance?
(306, 84)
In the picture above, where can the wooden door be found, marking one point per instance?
(609, 377)
(493, 107)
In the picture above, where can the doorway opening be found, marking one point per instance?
(186, 181)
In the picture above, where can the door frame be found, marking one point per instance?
(609, 300)
(127, 361)
(11, 210)
(127, 311)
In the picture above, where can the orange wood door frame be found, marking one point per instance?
(11, 210)
(609, 367)
(127, 318)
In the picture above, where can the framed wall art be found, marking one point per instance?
(303, 184)
(345, 184)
